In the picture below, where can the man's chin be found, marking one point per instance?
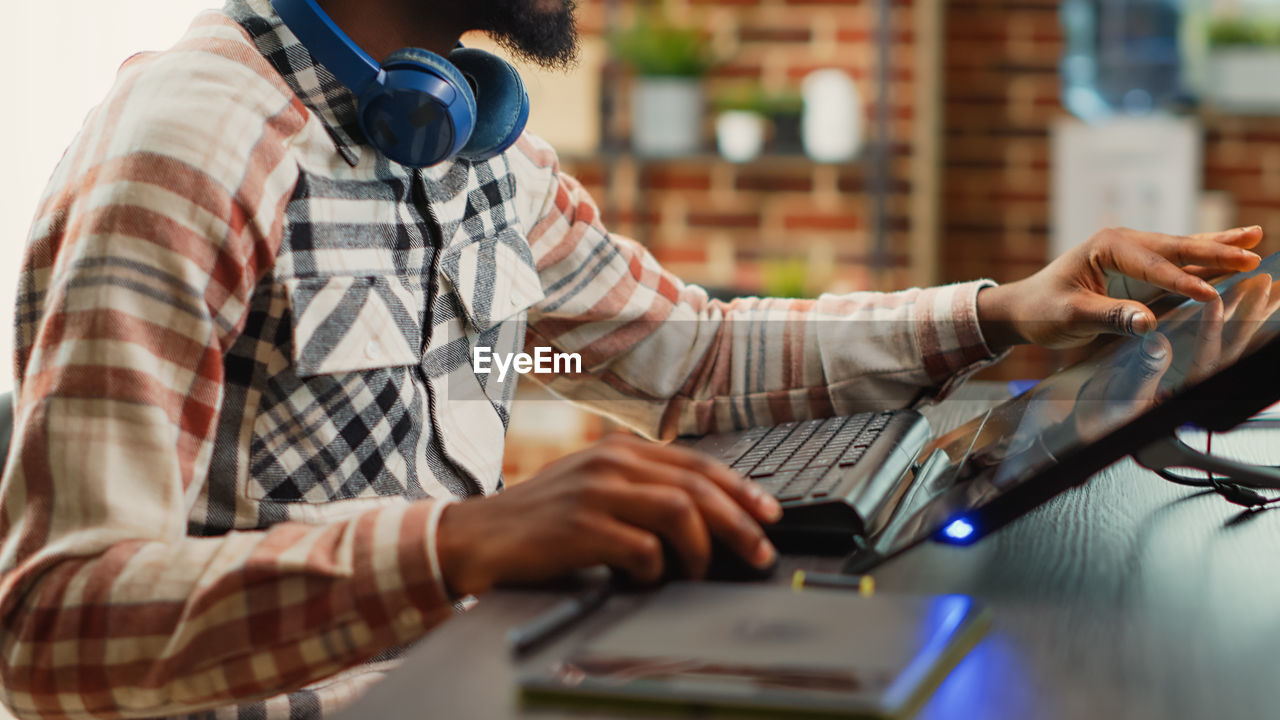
(544, 36)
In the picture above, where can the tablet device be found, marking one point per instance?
(1213, 365)
(766, 648)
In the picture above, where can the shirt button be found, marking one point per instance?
(512, 300)
(371, 350)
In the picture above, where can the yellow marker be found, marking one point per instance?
(867, 586)
(864, 584)
(797, 580)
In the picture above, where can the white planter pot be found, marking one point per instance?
(666, 116)
(740, 135)
(1244, 79)
(831, 127)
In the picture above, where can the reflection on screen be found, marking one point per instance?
(1087, 401)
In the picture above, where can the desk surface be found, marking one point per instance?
(1127, 597)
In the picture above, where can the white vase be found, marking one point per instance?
(666, 116)
(831, 127)
(740, 135)
(1244, 79)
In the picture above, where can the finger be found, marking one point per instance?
(1244, 237)
(633, 550)
(1201, 252)
(1206, 273)
(762, 506)
(726, 519)
(670, 513)
(1153, 267)
(1100, 314)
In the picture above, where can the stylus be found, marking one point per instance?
(527, 637)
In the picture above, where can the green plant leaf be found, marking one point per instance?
(657, 48)
(1243, 32)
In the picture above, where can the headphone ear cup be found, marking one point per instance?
(502, 104)
(412, 117)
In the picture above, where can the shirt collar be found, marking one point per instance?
(318, 89)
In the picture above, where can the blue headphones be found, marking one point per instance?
(416, 107)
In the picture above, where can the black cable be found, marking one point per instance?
(1231, 492)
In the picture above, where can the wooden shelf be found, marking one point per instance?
(788, 160)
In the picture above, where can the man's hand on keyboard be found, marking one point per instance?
(1066, 304)
(613, 504)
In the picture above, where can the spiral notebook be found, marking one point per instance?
(704, 645)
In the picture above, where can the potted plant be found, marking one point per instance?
(784, 110)
(786, 277)
(1244, 65)
(668, 62)
(741, 123)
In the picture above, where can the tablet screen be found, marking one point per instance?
(1072, 410)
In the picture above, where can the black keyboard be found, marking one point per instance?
(805, 460)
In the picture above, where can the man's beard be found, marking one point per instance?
(548, 38)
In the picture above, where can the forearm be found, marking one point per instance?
(178, 627)
(663, 358)
(709, 365)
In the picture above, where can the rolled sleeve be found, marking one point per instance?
(949, 336)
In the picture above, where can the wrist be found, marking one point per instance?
(997, 317)
(461, 565)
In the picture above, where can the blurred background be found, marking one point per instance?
(791, 147)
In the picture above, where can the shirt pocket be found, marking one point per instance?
(344, 418)
(495, 278)
(347, 324)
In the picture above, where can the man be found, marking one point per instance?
(246, 396)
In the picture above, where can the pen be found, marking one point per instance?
(525, 638)
(864, 584)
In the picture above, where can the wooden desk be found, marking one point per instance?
(1127, 598)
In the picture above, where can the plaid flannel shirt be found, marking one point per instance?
(245, 387)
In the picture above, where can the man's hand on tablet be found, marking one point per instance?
(1066, 304)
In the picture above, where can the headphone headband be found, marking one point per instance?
(332, 47)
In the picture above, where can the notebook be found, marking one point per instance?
(766, 648)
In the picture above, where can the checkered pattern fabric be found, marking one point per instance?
(246, 391)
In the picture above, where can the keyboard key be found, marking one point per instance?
(799, 487)
(764, 449)
(852, 455)
(773, 483)
(827, 485)
(868, 435)
(816, 443)
(743, 444)
(779, 456)
(850, 430)
(828, 457)
(795, 464)
(790, 492)
(811, 476)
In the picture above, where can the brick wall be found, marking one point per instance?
(729, 226)
(1000, 96)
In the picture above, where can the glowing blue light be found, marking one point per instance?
(959, 530)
